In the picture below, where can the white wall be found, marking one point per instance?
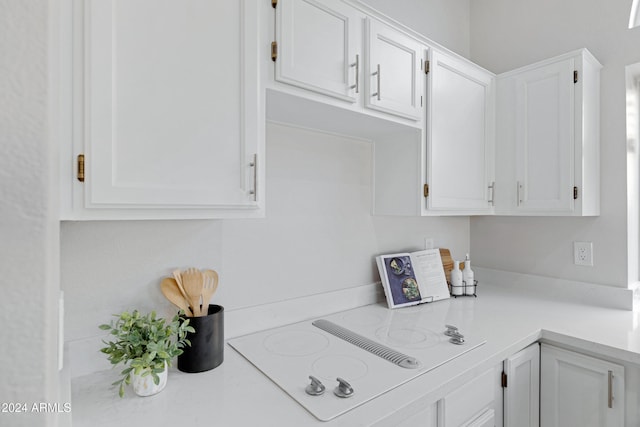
(506, 34)
(443, 21)
(29, 245)
(318, 236)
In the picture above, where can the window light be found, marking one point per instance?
(634, 19)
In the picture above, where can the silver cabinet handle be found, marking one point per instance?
(610, 394)
(492, 188)
(357, 65)
(377, 74)
(254, 165)
(519, 193)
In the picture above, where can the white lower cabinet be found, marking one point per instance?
(540, 386)
(426, 418)
(580, 391)
(521, 383)
(487, 419)
(474, 404)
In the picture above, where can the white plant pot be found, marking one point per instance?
(144, 385)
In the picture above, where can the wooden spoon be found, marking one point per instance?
(170, 290)
(192, 283)
(177, 274)
(210, 286)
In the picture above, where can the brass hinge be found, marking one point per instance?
(427, 65)
(575, 193)
(80, 164)
(575, 76)
(274, 3)
(274, 51)
(425, 190)
(504, 380)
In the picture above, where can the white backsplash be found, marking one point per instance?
(318, 236)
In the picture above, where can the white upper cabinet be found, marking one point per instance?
(460, 141)
(168, 112)
(320, 46)
(393, 71)
(548, 137)
(335, 49)
(544, 136)
(449, 168)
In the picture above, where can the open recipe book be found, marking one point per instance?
(412, 278)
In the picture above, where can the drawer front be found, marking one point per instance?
(466, 403)
(486, 419)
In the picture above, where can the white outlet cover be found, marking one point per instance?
(583, 253)
(428, 243)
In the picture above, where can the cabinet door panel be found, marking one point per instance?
(463, 405)
(425, 418)
(522, 394)
(393, 69)
(460, 135)
(164, 105)
(487, 419)
(575, 390)
(318, 43)
(544, 135)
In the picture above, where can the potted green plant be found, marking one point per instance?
(145, 344)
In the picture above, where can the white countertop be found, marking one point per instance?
(237, 394)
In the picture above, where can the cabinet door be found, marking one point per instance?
(580, 391)
(170, 111)
(319, 46)
(545, 138)
(522, 388)
(461, 138)
(393, 71)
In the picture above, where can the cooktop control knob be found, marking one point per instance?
(316, 388)
(456, 338)
(451, 330)
(344, 389)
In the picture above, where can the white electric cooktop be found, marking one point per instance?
(289, 355)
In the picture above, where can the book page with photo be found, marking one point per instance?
(412, 278)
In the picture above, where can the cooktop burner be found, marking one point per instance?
(408, 337)
(294, 355)
(295, 343)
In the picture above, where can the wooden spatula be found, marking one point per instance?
(447, 263)
(177, 274)
(170, 290)
(209, 288)
(192, 284)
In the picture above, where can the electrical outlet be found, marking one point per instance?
(583, 253)
(428, 243)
